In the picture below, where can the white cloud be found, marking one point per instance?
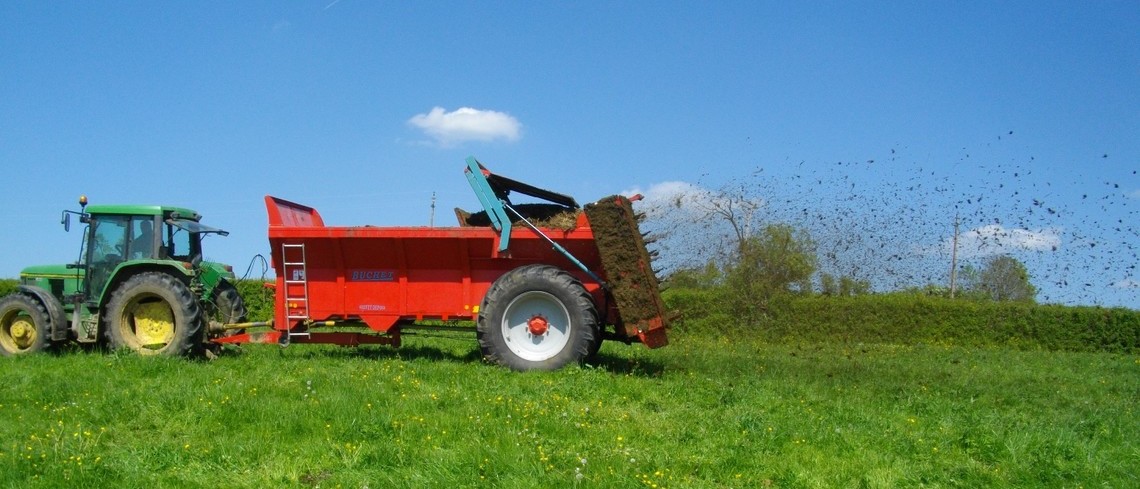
(1128, 283)
(996, 239)
(666, 197)
(690, 224)
(466, 124)
(1135, 194)
(689, 201)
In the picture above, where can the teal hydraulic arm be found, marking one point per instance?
(477, 177)
(492, 190)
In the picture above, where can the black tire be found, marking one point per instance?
(24, 325)
(595, 347)
(154, 313)
(227, 306)
(537, 317)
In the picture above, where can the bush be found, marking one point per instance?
(693, 307)
(7, 286)
(916, 318)
(258, 299)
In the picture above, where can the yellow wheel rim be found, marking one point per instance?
(19, 332)
(153, 323)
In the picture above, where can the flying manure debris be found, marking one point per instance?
(888, 219)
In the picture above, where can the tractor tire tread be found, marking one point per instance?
(40, 318)
(188, 321)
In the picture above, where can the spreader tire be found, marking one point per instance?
(24, 325)
(536, 317)
(595, 347)
(154, 313)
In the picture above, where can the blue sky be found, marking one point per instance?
(867, 123)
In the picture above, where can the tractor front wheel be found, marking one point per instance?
(23, 325)
(537, 317)
(154, 313)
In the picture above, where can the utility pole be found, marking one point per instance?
(431, 220)
(954, 260)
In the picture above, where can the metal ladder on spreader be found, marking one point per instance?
(296, 288)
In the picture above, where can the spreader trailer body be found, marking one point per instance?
(542, 294)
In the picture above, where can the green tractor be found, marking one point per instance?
(140, 284)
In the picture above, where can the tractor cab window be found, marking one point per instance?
(109, 238)
(142, 238)
(106, 249)
(179, 242)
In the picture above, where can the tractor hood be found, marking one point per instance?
(50, 271)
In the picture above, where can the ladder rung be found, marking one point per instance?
(290, 254)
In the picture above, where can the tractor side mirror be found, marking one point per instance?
(83, 217)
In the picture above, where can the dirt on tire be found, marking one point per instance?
(187, 336)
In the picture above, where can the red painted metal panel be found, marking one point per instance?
(285, 213)
(383, 275)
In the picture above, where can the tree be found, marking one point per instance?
(849, 286)
(781, 259)
(737, 209)
(1004, 278)
(828, 285)
(843, 286)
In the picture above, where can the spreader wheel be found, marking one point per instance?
(23, 325)
(537, 317)
(595, 347)
(154, 314)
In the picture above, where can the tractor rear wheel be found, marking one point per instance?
(154, 313)
(537, 317)
(227, 306)
(24, 326)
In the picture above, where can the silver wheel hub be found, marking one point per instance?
(536, 326)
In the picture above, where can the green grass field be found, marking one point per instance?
(703, 412)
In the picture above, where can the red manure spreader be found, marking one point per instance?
(544, 283)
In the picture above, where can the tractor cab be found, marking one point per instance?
(135, 234)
